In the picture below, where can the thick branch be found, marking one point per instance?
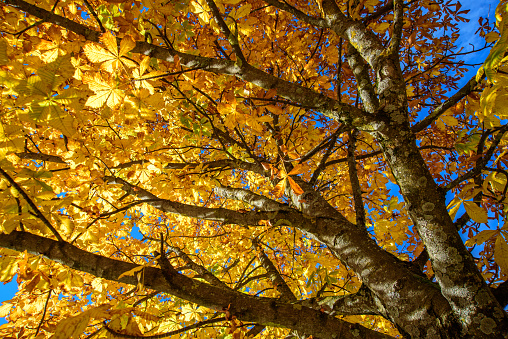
(245, 307)
(398, 23)
(361, 72)
(258, 201)
(361, 302)
(355, 182)
(501, 293)
(280, 284)
(249, 218)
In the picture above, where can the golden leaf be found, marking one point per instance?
(280, 188)
(132, 272)
(113, 57)
(501, 253)
(476, 213)
(298, 169)
(105, 92)
(481, 237)
(71, 327)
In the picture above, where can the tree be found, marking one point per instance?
(227, 169)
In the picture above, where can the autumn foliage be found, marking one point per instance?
(241, 168)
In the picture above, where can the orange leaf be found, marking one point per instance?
(298, 169)
(293, 155)
(266, 166)
(295, 187)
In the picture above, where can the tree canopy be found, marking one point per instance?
(241, 168)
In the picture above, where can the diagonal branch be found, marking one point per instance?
(481, 163)
(32, 205)
(258, 201)
(199, 269)
(305, 96)
(231, 37)
(324, 143)
(94, 14)
(461, 93)
(245, 307)
(280, 284)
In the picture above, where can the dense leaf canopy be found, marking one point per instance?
(240, 168)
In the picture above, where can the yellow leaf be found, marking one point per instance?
(501, 253)
(126, 45)
(96, 53)
(130, 273)
(380, 28)
(151, 75)
(243, 11)
(111, 58)
(110, 42)
(8, 270)
(5, 309)
(105, 92)
(98, 100)
(71, 327)
(143, 66)
(481, 237)
(476, 213)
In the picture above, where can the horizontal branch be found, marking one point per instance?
(247, 218)
(258, 201)
(245, 307)
(41, 157)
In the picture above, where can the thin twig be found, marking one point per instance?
(37, 212)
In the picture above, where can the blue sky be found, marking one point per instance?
(477, 8)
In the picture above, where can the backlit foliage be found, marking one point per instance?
(124, 123)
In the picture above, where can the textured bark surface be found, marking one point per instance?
(457, 304)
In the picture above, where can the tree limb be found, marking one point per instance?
(245, 307)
